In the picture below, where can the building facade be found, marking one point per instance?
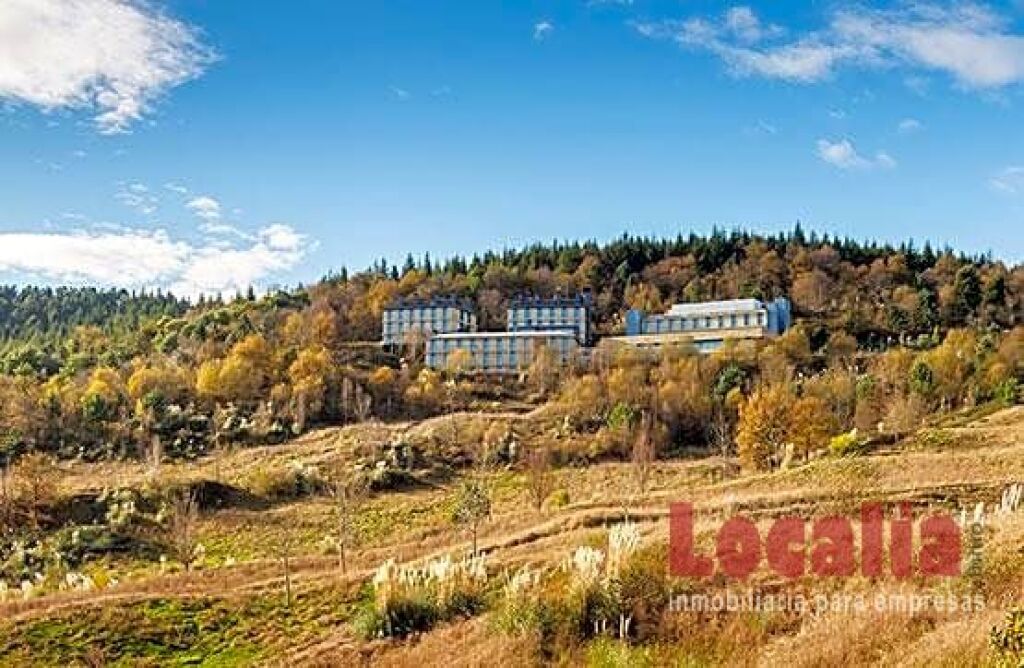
(501, 352)
(707, 325)
(530, 314)
(440, 315)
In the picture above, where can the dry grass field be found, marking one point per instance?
(242, 606)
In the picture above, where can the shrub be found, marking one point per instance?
(609, 653)
(408, 600)
(1007, 392)
(557, 499)
(622, 415)
(1008, 641)
(847, 445)
(294, 481)
(521, 611)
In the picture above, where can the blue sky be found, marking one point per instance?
(203, 145)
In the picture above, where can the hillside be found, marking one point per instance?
(233, 609)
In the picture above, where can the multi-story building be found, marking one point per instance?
(707, 325)
(501, 352)
(530, 314)
(439, 315)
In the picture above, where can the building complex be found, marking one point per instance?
(708, 324)
(563, 325)
(426, 317)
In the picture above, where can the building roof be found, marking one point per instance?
(440, 300)
(725, 306)
(528, 301)
(523, 334)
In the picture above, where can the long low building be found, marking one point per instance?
(707, 325)
(501, 352)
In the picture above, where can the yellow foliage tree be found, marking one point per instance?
(241, 376)
(168, 380)
(763, 428)
(309, 375)
(106, 384)
(459, 362)
(811, 423)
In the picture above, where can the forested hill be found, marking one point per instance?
(95, 373)
(47, 313)
(873, 291)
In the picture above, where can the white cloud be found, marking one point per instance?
(1009, 180)
(970, 43)
(176, 188)
(400, 93)
(216, 229)
(884, 160)
(141, 258)
(137, 196)
(542, 30)
(909, 125)
(205, 207)
(843, 155)
(215, 268)
(746, 26)
(113, 57)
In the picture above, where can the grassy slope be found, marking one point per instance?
(236, 615)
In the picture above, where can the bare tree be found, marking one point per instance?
(643, 453)
(6, 457)
(350, 492)
(34, 480)
(284, 553)
(154, 454)
(472, 505)
(539, 477)
(720, 433)
(182, 525)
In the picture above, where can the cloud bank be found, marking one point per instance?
(971, 43)
(140, 258)
(112, 57)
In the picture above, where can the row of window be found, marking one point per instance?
(494, 359)
(496, 345)
(556, 311)
(666, 323)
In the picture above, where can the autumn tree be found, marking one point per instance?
(34, 480)
(810, 425)
(539, 478)
(841, 348)
(350, 491)
(643, 453)
(904, 415)
(472, 505)
(182, 527)
(763, 428)
(459, 362)
(544, 369)
(427, 391)
(309, 376)
(383, 382)
(241, 376)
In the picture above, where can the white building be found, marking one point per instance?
(707, 325)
